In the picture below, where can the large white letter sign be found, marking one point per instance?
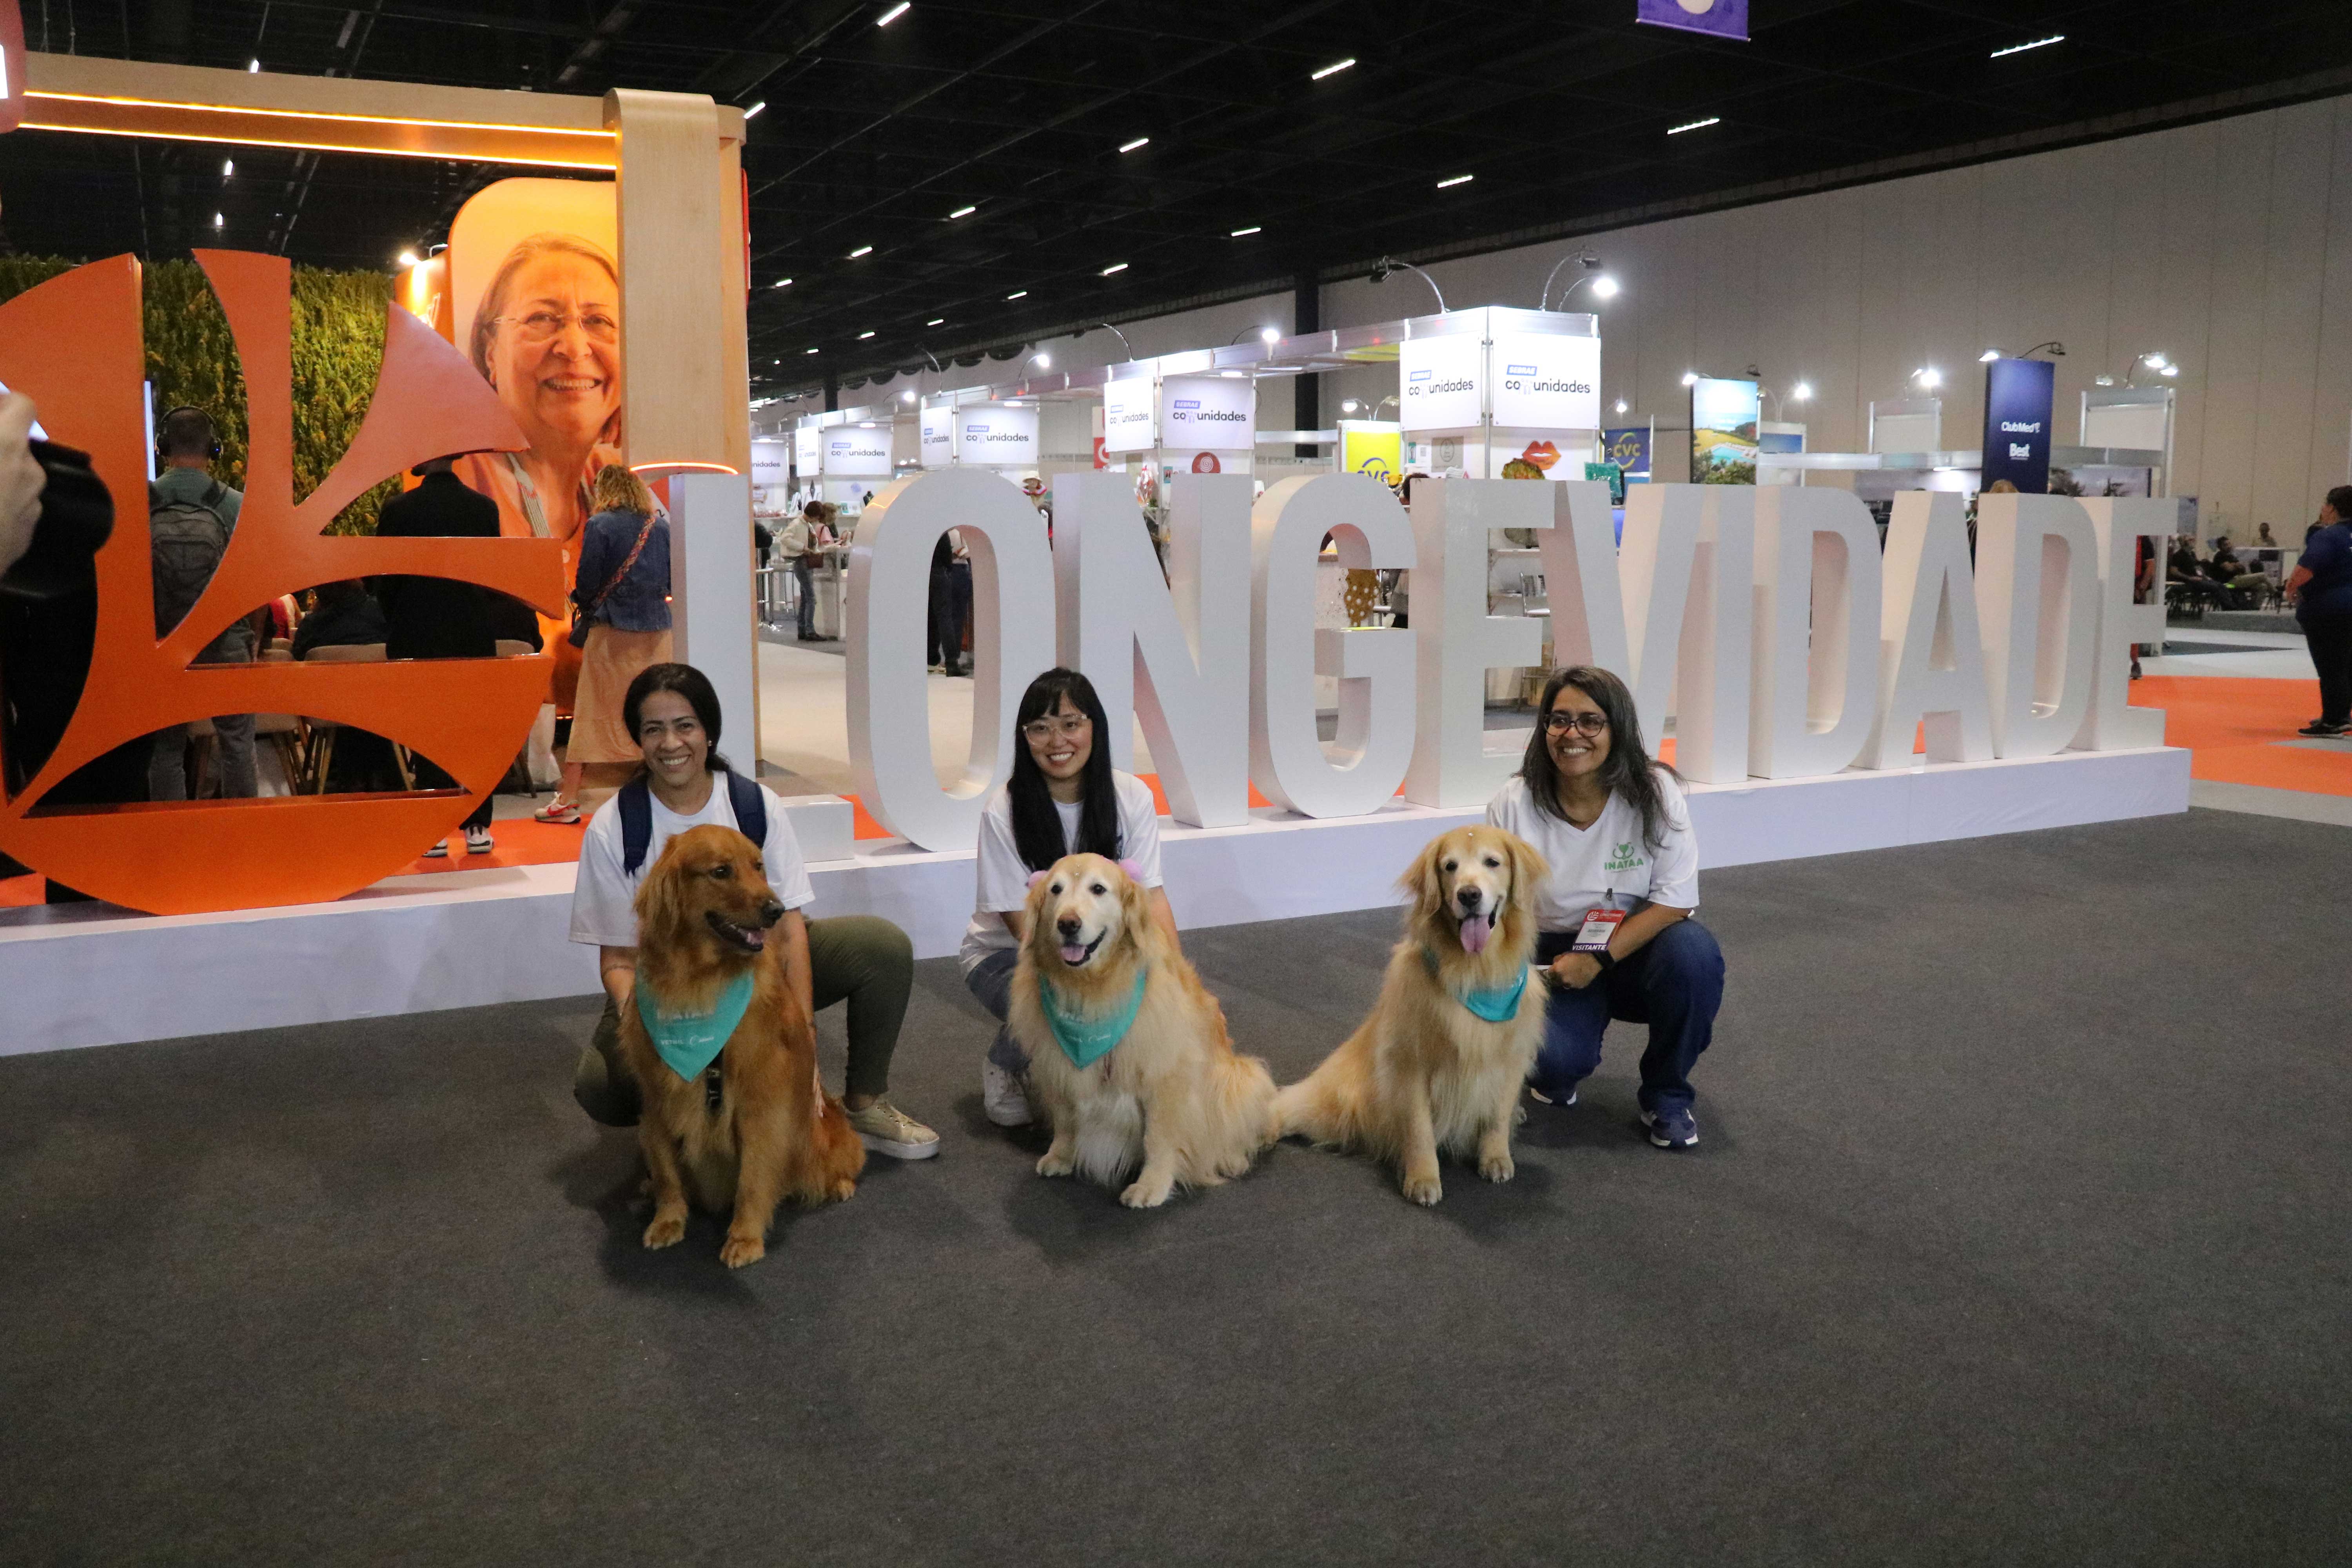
(1176, 652)
(1580, 563)
(1689, 571)
(1814, 691)
(2038, 598)
(2113, 724)
(1931, 665)
(1012, 640)
(1452, 524)
(1374, 665)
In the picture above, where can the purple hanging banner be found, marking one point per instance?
(1724, 18)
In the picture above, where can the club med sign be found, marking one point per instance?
(1767, 621)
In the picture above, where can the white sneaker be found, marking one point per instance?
(478, 841)
(1002, 1096)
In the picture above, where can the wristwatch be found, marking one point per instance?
(1606, 959)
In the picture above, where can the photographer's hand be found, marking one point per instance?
(21, 479)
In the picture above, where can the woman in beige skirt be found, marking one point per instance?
(623, 593)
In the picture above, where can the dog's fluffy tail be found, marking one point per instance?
(1325, 1105)
(1242, 1104)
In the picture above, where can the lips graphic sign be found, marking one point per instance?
(1724, 18)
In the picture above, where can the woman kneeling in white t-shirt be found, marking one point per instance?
(673, 712)
(1064, 798)
(1616, 832)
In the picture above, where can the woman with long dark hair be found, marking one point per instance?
(1064, 798)
(865, 961)
(1615, 933)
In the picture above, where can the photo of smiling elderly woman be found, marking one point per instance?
(546, 337)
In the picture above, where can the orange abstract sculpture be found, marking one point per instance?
(74, 345)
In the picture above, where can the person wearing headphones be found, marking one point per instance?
(191, 517)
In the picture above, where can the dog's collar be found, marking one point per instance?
(1495, 1004)
(688, 1041)
(1085, 1040)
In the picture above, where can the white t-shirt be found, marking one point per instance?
(1003, 877)
(1609, 857)
(604, 897)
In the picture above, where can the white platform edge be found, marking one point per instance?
(464, 939)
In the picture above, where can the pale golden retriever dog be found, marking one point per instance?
(1424, 1072)
(753, 1128)
(1170, 1093)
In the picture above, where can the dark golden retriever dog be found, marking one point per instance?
(1426, 1073)
(754, 1127)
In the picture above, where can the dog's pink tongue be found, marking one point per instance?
(1072, 954)
(1473, 933)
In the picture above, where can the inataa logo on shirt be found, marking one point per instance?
(1621, 859)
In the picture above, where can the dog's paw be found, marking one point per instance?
(1519, 1114)
(1423, 1190)
(1498, 1167)
(740, 1250)
(1144, 1192)
(1054, 1164)
(667, 1230)
(843, 1190)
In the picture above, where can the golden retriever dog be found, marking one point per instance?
(754, 1127)
(1424, 1072)
(1171, 1091)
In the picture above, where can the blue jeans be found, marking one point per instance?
(804, 577)
(1674, 984)
(992, 982)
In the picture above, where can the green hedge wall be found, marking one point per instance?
(337, 347)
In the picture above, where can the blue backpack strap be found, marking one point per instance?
(636, 824)
(751, 804)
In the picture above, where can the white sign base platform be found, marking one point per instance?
(91, 976)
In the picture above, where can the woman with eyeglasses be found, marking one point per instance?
(1064, 798)
(1616, 939)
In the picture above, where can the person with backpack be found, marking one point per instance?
(191, 517)
(684, 783)
(620, 623)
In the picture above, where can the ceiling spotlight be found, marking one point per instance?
(1694, 125)
(1988, 356)
(1131, 146)
(252, 66)
(861, 250)
(2036, 44)
(1690, 378)
(781, 283)
(1042, 361)
(1801, 392)
(1621, 406)
(1928, 377)
(1114, 267)
(1332, 69)
(961, 212)
(894, 13)
(2168, 370)
(1253, 229)
(2103, 381)
(753, 112)
(1348, 405)
(936, 322)
(228, 167)
(1018, 294)
(1456, 179)
(1605, 288)
(863, 336)
(2155, 360)
(219, 220)
(408, 259)
(908, 395)
(1269, 335)
(814, 351)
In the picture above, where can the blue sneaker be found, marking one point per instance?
(1674, 1128)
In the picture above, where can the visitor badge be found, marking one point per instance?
(1599, 926)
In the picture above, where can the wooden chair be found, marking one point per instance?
(320, 754)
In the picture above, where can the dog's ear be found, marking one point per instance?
(1134, 907)
(661, 902)
(1423, 883)
(1529, 871)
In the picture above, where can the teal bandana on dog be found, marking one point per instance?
(688, 1041)
(1085, 1040)
(1497, 1004)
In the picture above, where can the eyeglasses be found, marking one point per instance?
(1589, 725)
(542, 326)
(1070, 726)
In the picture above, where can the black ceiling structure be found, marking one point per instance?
(972, 175)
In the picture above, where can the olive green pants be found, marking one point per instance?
(860, 959)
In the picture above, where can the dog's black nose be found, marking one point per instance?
(1068, 925)
(1469, 899)
(771, 912)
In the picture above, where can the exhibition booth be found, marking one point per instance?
(1792, 664)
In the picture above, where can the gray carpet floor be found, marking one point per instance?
(2017, 1234)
